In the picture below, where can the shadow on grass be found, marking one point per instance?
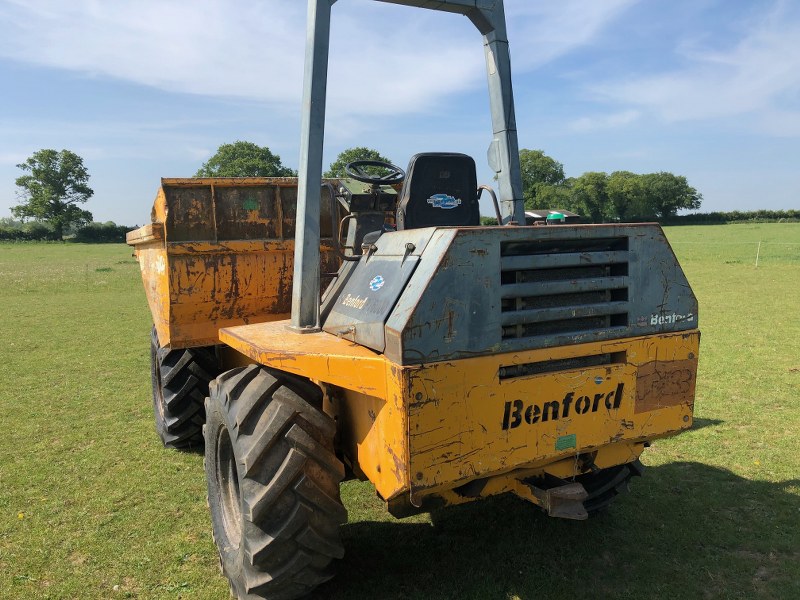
(196, 449)
(686, 530)
(698, 423)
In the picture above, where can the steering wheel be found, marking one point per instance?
(357, 171)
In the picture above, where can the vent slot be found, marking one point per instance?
(562, 364)
(564, 287)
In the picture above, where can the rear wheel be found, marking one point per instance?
(180, 381)
(606, 484)
(602, 486)
(273, 483)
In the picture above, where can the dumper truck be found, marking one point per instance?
(310, 330)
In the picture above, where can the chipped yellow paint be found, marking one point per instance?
(319, 356)
(466, 423)
(513, 481)
(427, 429)
(373, 431)
(368, 393)
(219, 253)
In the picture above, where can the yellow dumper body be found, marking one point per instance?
(419, 433)
(217, 268)
(220, 252)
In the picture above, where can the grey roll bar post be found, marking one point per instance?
(305, 283)
(489, 17)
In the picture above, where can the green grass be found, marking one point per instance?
(91, 506)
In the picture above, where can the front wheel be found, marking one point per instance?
(180, 381)
(273, 483)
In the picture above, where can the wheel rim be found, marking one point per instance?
(228, 486)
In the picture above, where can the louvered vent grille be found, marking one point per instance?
(563, 287)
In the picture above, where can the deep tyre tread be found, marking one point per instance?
(180, 380)
(279, 535)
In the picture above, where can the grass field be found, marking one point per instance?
(91, 506)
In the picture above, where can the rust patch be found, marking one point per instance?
(400, 469)
(662, 384)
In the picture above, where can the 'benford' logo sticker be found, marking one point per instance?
(443, 201)
(376, 283)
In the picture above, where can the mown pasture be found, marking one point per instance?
(91, 506)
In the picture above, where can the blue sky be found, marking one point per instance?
(709, 89)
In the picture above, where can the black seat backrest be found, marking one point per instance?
(441, 188)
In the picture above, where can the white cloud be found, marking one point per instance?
(756, 76)
(106, 139)
(385, 59)
(542, 31)
(203, 47)
(609, 121)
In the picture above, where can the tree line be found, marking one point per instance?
(597, 196)
(90, 233)
(246, 159)
(54, 184)
(602, 197)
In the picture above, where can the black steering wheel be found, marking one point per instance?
(357, 171)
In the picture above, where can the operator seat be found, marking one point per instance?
(440, 189)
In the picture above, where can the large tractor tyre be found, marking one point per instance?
(273, 483)
(180, 385)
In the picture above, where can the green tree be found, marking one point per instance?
(590, 195)
(555, 196)
(55, 183)
(244, 159)
(540, 173)
(351, 155)
(108, 232)
(666, 194)
(626, 196)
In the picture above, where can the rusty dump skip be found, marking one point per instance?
(220, 252)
